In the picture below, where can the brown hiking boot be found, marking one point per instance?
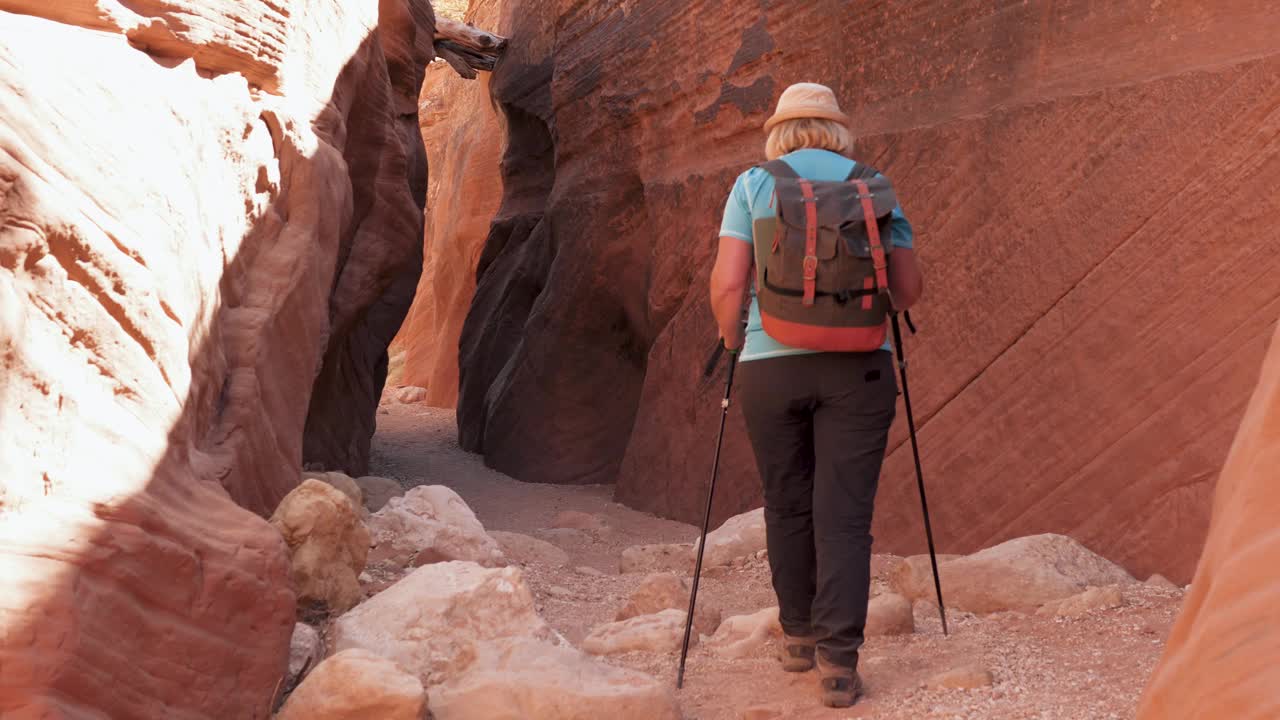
(797, 653)
(841, 686)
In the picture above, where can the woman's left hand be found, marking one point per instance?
(733, 342)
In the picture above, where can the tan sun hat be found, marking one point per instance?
(806, 100)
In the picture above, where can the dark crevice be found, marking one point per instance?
(518, 252)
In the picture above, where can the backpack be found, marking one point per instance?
(822, 280)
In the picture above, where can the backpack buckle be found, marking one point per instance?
(810, 267)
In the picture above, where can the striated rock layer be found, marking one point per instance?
(217, 204)
(1220, 660)
(1098, 250)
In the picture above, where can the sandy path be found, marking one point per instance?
(1076, 669)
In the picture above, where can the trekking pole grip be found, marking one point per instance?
(714, 360)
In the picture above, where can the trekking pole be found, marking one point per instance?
(915, 453)
(706, 516)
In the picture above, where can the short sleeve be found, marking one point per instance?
(737, 214)
(900, 230)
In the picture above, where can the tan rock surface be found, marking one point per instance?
(1221, 657)
(660, 632)
(341, 482)
(738, 537)
(356, 684)
(1095, 598)
(889, 614)
(664, 591)
(742, 635)
(430, 523)
(378, 491)
(524, 679)
(411, 395)
(913, 577)
(306, 650)
(184, 240)
(1021, 574)
(432, 621)
(527, 550)
(328, 544)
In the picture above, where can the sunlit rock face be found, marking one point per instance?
(1097, 247)
(1220, 658)
(206, 211)
(463, 133)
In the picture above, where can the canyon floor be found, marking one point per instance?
(1050, 668)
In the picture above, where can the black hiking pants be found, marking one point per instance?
(819, 425)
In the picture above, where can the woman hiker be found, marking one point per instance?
(818, 420)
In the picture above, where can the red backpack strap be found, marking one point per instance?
(810, 242)
(873, 234)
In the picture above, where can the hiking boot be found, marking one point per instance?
(841, 686)
(797, 653)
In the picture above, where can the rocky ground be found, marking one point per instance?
(452, 9)
(1089, 661)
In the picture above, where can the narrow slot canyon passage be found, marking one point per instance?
(353, 359)
(549, 371)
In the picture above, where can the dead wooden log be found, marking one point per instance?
(467, 48)
(455, 61)
(474, 59)
(468, 36)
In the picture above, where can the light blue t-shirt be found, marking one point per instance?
(750, 200)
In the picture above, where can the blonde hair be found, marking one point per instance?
(791, 135)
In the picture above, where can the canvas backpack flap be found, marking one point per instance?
(840, 216)
(834, 210)
(784, 265)
(840, 211)
(858, 241)
(854, 230)
(883, 197)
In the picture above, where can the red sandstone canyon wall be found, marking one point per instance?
(1091, 189)
(464, 134)
(1220, 660)
(210, 225)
